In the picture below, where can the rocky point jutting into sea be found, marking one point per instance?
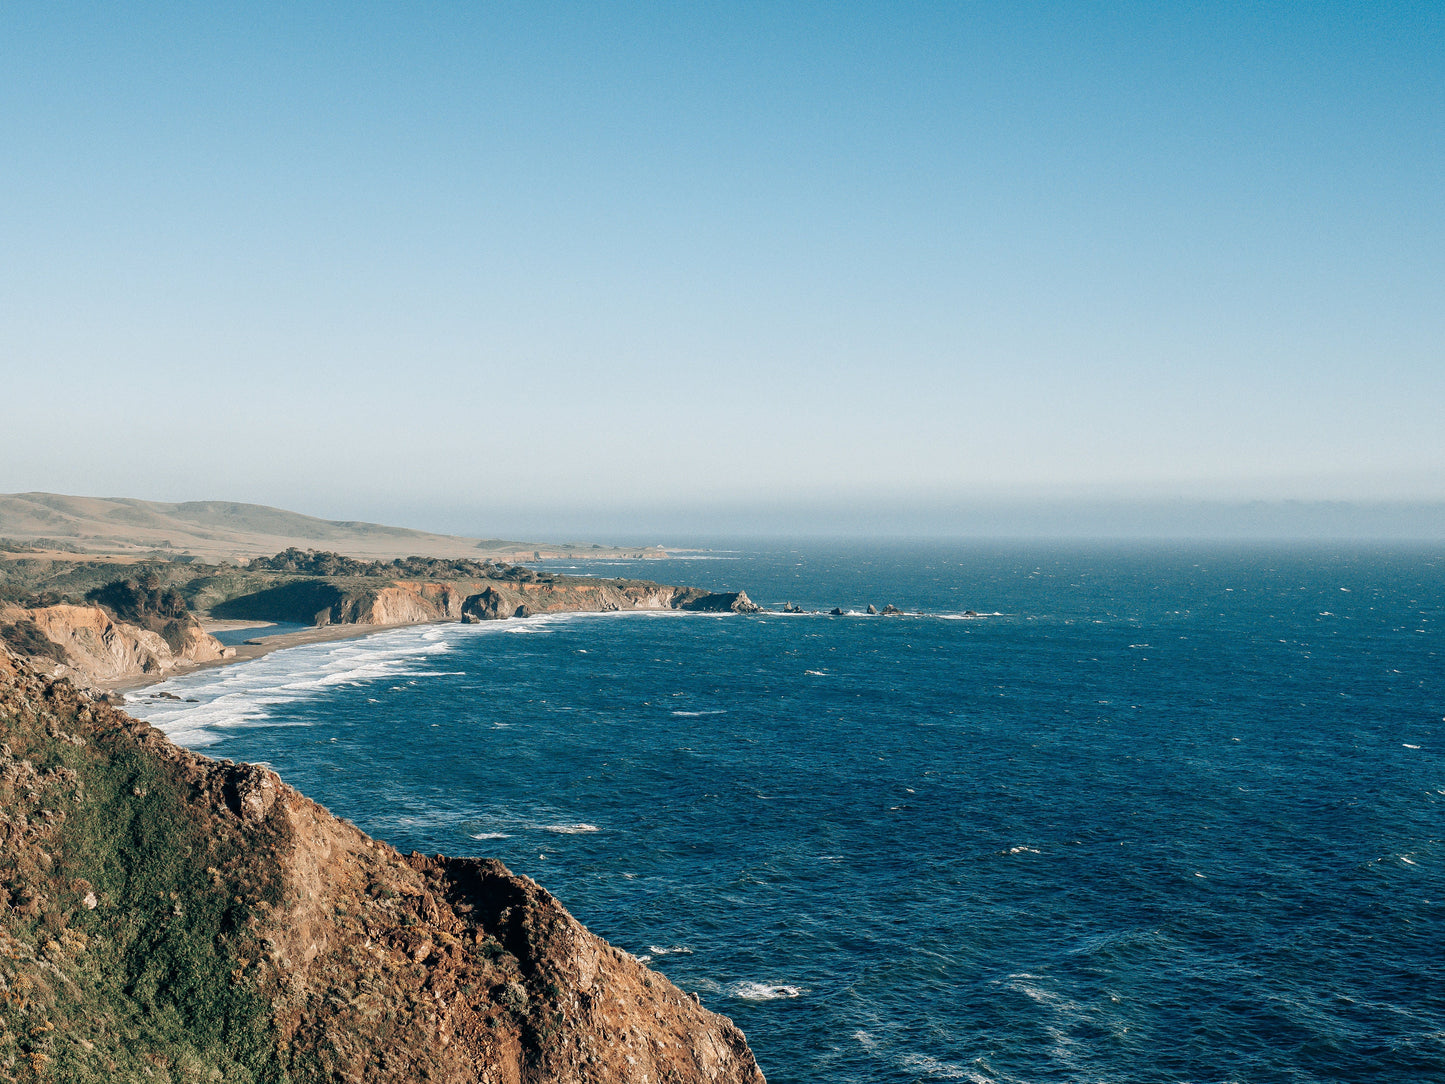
(106, 624)
(169, 917)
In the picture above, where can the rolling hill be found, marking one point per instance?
(219, 530)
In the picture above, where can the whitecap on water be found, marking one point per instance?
(932, 1067)
(762, 991)
(569, 829)
(256, 693)
(675, 950)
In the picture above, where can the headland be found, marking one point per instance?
(109, 605)
(172, 917)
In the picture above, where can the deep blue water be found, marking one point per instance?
(1163, 815)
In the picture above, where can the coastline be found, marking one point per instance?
(139, 662)
(483, 974)
(268, 644)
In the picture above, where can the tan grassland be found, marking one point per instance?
(122, 527)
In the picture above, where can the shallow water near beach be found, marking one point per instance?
(1156, 814)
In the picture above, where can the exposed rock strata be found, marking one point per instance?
(169, 917)
(502, 600)
(404, 602)
(99, 650)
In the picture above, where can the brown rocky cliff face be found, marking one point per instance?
(299, 949)
(404, 602)
(100, 650)
(505, 599)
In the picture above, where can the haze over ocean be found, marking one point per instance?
(486, 268)
(1157, 813)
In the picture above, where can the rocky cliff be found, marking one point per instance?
(503, 599)
(97, 649)
(339, 601)
(170, 918)
(148, 625)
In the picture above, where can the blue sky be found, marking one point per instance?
(454, 264)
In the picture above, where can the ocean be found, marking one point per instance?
(1153, 814)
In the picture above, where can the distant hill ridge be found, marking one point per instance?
(217, 530)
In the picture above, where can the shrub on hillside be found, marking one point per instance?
(326, 563)
(25, 637)
(142, 601)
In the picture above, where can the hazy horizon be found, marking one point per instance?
(877, 265)
(884, 520)
(1064, 521)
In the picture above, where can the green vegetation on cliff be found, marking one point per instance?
(126, 914)
(166, 919)
(146, 603)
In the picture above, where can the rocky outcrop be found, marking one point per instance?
(409, 604)
(327, 602)
(99, 650)
(723, 602)
(507, 599)
(174, 918)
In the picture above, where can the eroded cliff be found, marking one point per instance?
(97, 649)
(342, 601)
(167, 917)
(104, 630)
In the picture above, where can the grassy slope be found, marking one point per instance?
(127, 910)
(165, 918)
(217, 530)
